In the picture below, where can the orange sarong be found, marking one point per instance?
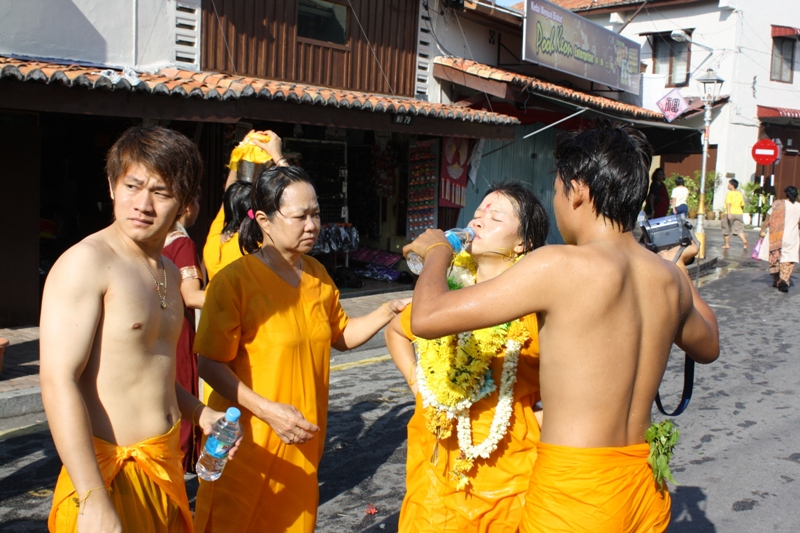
(602, 490)
(495, 498)
(146, 482)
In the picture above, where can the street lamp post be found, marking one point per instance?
(711, 84)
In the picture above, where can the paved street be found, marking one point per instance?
(738, 461)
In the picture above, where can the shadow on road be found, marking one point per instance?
(350, 456)
(688, 512)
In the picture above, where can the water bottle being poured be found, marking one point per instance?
(458, 239)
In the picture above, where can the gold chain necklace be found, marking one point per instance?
(163, 297)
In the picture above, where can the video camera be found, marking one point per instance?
(666, 232)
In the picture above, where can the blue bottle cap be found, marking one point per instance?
(233, 414)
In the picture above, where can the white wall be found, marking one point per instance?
(100, 32)
(740, 36)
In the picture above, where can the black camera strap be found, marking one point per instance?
(688, 382)
(688, 365)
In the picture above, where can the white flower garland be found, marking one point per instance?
(463, 277)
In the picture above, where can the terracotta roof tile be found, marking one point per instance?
(215, 85)
(537, 86)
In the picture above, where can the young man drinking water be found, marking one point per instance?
(608, 311)
(111, 318)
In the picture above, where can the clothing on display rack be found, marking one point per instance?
(341, 237)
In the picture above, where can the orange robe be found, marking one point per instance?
(218, 254)
(147, 489)
(495, 499)
(602, 490)
(277, 339)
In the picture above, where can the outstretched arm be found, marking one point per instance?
(71, 312)
(525, 288)
(402, 352)
(361, 329)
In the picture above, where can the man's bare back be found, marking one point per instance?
(606, 340)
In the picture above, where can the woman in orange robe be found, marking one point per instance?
(509, 222)
(268, 324)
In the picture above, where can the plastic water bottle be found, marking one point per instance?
(458, 238)
(215, 453)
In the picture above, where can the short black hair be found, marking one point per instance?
(679, 180)
(734, 182)
(235, 204)
(791, 193)
(534, 224)
(613, 160)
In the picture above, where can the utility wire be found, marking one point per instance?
(224, 40)
(372, 49)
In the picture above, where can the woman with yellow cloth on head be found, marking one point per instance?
(472, 439)
(222, 242)
(268, 325)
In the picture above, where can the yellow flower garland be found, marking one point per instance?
(454, 372)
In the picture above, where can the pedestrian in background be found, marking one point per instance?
(781, 232)
(734, 209)
(658, 197)
(679, 195)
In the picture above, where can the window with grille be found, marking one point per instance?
(670, 58)
(782, 59)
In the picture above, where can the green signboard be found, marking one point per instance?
(559, 39)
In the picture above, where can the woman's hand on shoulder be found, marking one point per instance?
(396, 306)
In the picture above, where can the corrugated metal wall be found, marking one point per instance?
(259, 38)
(530, 161)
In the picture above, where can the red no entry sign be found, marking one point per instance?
(765, 152)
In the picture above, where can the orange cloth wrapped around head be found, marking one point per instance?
(602, 490)
(248, 151)
(146, 487)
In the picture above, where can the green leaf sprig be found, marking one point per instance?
(662, 437)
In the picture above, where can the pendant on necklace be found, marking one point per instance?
(163, 305)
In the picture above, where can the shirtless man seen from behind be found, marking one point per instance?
(111, 318)
(609, 311)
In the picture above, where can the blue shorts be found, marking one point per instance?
(683, 208)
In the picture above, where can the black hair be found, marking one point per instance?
(235, 204)
(534, 224)
(734, 182)
(614, 162)
(266, 196)
(791, 193)
(679, 180)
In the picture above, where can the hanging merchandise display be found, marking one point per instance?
(384, 164)
(453, 172)
(422, 187)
